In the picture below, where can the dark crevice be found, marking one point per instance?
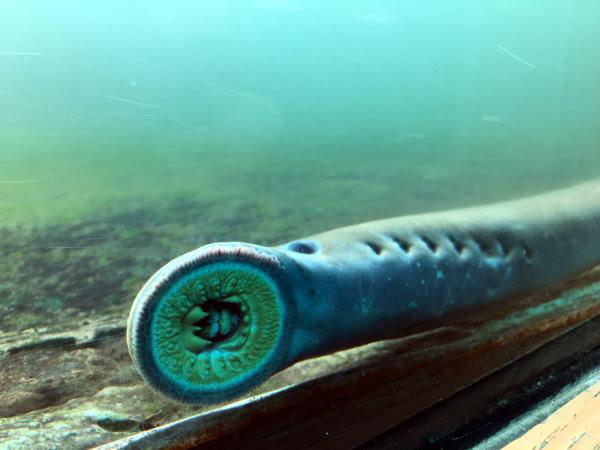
(404, 245)
(223, 321)
(504, 247)
(484, 247)
(53, 342)
(118, 425)
(374, 247)
(433, 246)
(527, 252)
(66, 343)
(458, 246)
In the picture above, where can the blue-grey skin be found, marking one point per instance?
(364, 280)
(355, 285)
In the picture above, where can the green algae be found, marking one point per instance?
(568, 300)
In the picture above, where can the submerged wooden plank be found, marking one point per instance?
(504, 405)
(346, 399)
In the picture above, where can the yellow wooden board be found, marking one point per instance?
(574, 426)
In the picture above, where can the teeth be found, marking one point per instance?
(193, 316)
(210, 331)
(193, 342)
(225, 322)
(206, 325)
(220, 323)
(234, 299)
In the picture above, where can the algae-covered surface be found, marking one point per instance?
(132, 134)
(95, 263)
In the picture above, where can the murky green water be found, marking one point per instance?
(131, 132)
(109, 106)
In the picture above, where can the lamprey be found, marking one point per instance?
(218, 321)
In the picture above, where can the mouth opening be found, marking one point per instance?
(221, 323)
(212, 323)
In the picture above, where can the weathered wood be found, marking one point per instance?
(501, 407)
(345, 399)
(576, 425)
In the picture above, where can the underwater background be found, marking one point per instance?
(132, 132)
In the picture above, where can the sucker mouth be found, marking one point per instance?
(211, 323)
(206, 327)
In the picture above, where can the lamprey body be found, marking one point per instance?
(217, 321)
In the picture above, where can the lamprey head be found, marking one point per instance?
(212, 323)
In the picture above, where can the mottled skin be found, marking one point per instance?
(358, 284)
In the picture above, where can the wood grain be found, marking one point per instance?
(575, 426)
